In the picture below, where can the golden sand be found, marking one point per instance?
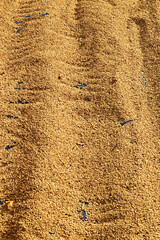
(79, 119)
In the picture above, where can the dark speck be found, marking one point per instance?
(44, 14)
(83, 85)
(1, 203)
(19, 101)
(18, 22)
(80, 85)
(84, 215)
(9, 116)
(9, 147)
(125, 122)
(28, 16)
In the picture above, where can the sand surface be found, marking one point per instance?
(73, 73)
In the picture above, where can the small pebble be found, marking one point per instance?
(80, 144)
(88, 98)
(9, 204)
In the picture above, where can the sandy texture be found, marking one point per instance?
(72, 72)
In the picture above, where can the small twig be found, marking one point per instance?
(80, 144)
(20, 29)
(9, 204)
(114, 147)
